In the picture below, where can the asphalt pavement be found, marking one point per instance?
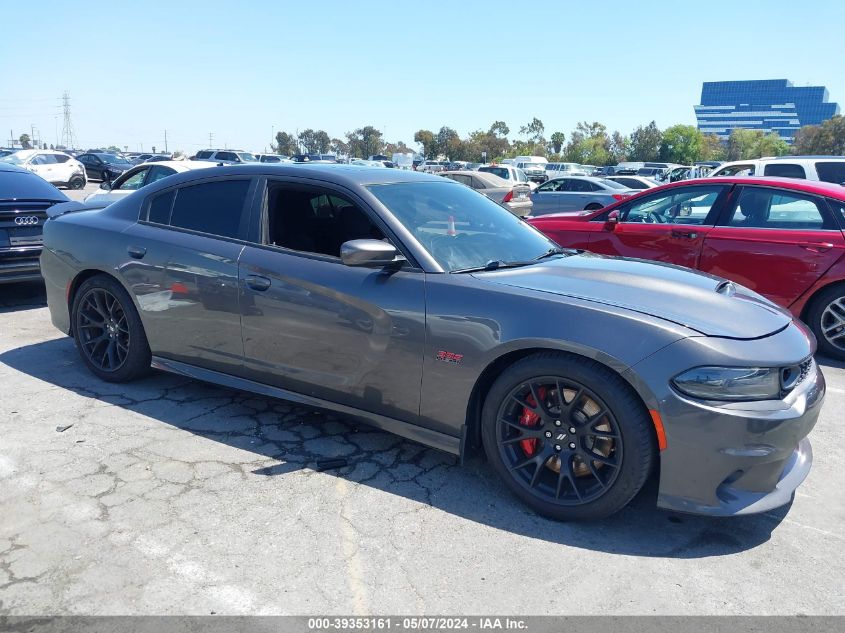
(170, 496)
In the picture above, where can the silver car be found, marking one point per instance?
(576, 193)
(516, 196)
(509, 173)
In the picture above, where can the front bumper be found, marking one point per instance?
(23, 266)
(728, 459)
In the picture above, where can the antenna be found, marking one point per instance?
(68, 137)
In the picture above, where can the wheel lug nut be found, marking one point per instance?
(572, 445)
(558, 447)
(557, 423)
(572, 429)
(548, 433)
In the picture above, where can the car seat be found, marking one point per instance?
(754, 206)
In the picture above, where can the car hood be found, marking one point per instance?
(704, 303)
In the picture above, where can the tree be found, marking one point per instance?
(339, 147)
(588, 144)
(645, 143)
(449, 143)
(286, 144)
(113, 148)
(499, 129)
(771, 145)
(429, 144)
(747, 144)
(25, 141)
(681, 144)
(556, 142)
(619, 147)
(314, 142)
(712, 148)
(533, 130)
(825, 139)
(365, 141)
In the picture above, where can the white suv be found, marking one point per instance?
(227, 156)
(57, 168)
(826, 168)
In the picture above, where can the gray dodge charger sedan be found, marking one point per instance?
(428, 310)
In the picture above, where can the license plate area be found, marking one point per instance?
(25, 236)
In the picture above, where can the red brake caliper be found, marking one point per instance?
(529, 418)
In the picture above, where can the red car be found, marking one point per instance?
(780, 237)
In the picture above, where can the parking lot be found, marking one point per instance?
(171, 496)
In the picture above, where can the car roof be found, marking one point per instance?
(819, 187)
(15, 168)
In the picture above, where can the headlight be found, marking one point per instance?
(730, 383)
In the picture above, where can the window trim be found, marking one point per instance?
(730, 207)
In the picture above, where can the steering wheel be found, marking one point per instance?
(654, 218)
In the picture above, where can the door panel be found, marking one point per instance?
(776, 242)
(320, 328)
(670, 226)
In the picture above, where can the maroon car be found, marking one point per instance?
(780, 237)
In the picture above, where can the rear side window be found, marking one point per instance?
(227, 156)
(831, 172)
(204, 154)
(212, 207)
(784, 170)
(160, 208)
(773, 209)
(501, 172)
(61, 158)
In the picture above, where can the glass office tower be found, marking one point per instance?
(773, 105)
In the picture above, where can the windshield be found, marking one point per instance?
(13, 158)
(459, 227)
(247, 157)
(112, 158)
(501, 172)
(27, 186)
(613, 184)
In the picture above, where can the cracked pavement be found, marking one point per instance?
(170, 496)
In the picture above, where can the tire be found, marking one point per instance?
(593, 207)
(122, 353)
(77, 182)
(618, 435)
(826, 319)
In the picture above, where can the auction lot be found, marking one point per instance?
(168, 496)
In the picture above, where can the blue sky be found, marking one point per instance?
(243, 69)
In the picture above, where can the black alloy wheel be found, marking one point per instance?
(568, 436)
(108, 331)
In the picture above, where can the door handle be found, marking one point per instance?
(257, 282)
(821, 247)
(686, 235)
(136, 252)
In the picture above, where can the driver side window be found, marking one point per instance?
(686, 206)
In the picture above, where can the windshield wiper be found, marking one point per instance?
(556, 250)
(495, 264)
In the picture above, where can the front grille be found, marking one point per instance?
(21, 223)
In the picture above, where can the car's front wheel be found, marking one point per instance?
(568, 436)
(593, 207)
(826, 318)
(108, 331)
(77, 182)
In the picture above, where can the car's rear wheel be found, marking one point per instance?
(568, 436)
(77, 182)
(108, 331)
(826, 318)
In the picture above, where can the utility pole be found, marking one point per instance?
(165, 141)
(210, 140)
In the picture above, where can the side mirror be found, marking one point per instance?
(106, 184)
(612, 220)
(368, 253)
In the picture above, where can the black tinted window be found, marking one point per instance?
(160, 208)
(831, 172)
(212, 207)
(784, 170)
(204, 154)
(227, 156)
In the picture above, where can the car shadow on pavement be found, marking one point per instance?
(287, 438)
(22, 296)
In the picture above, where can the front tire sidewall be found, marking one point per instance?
(637, 436)
(138, 358)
